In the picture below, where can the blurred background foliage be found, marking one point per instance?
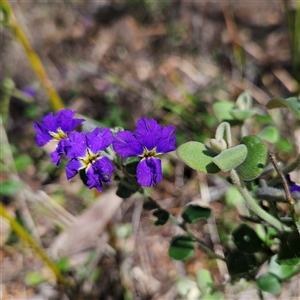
(180, 62)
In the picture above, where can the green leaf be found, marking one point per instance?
(125, 188)
(150, 205)
(231, 158)
(186, 286)
(34, 278)
(83, 176)
(22, 162)
(269, 283)
(222, 110)
(198, 156)
(193, 213)
(255, 161)
(181, 247)
(270, 134)
(284, 145)
(131, 168)
(244, 101)
(246, 239)
(239, 262)
(64, 264)
(223, 132)
(280, 271)
(242, 115)
(162, 216)
(9, 188)
(289, 250)
(292, 103)
(205, 281)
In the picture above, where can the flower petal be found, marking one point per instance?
(99, 139)
(65, 120)
(148, 132)
(167, 141)
(126, 144)
(42, 136)
(49, 123)
(73, 167)
(57, 153)
(76, 145)
(93, 179)
(104, 168)
(295, 188)
(149, 172)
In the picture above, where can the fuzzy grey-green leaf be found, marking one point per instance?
(231, 158)
(255, 161)
(292, 103)
(198, 156)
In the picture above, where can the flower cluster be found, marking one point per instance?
(56, 128)
(148, 141)
(87, 151)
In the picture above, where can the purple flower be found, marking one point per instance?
(148, 141)
(295, 188)
(56, 128)
(29, 92)
(85, 153)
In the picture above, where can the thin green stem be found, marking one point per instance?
(201, 243)
(252, 205)
(23, 234)
(182, 225)
(33, 58)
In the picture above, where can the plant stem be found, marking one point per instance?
(182, 225)
(33, 58)
(283, 180)
(24, 235)
(191, 235)
(295, 164)
(296, 46)
(252, 205)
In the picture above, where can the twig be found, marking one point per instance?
(19, 230)
(33, 58)
(283, 180)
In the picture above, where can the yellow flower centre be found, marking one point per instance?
(89, 158)
(58, 135)
(149, 153)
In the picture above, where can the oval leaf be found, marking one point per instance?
(162, 216)
(125, 188)
(269, 283)
(255, 161)
(280, 271)
(270, 134)
(292, 103)
(182, 247)
(242, 115)
(246, 239)
(222, 110)
(289, 251)
(150, 205)
(239, 262)
(193, 213)
(205, 281)
(198, 156)
(244, 101)
(231, 158)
